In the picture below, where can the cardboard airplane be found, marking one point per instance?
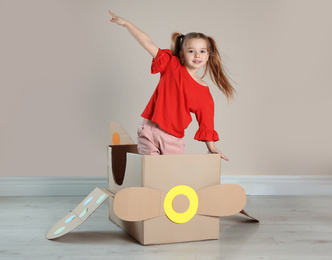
(159, 199)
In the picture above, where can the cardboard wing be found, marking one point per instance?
(80, 213)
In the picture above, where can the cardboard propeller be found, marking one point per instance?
(180, 204)
(141, 203)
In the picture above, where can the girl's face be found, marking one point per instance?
(195, 53)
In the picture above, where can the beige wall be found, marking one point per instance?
(66, 72)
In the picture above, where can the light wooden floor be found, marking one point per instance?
(291, 227)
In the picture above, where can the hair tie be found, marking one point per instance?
(181, 36)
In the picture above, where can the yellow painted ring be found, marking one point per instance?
(193, 204)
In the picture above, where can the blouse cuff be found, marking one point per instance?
(206, 135)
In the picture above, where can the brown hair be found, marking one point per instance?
(213, 66)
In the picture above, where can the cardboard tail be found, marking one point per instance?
(118, 135)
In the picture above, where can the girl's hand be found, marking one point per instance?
(142, 38)
(221, 155)
(212, 148)
(116, 19)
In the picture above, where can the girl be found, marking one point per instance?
(179, 91)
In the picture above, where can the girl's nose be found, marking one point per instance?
(197, 54)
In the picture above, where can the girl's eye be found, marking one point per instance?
(191, 51)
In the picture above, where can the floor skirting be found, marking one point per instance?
(254, 185)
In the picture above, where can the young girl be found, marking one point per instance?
(179, 91)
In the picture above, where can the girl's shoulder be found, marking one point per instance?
(202, 82)
(199, 81)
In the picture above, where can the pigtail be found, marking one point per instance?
(176, 44)
(216, 71)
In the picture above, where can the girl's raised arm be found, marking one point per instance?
(140, 36)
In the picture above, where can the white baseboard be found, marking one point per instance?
(81, 186)
(49, 186)
(283, 185)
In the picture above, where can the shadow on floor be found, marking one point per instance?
(95, 237)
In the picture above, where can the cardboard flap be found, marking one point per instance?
(221, 200)
(119, 161)
(246, 214)
(118, 135)
(80, 213)
(138, 203)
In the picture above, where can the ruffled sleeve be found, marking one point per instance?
(161, 61)
(204, 134)
(205, 118)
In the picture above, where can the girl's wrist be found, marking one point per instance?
(211, 147)
(127, 24)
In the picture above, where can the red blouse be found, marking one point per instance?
(177, 94)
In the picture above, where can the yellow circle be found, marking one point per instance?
(193, 204)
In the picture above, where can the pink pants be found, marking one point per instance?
(151, 139)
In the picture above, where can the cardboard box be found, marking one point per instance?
(126, 169)
(159, 199)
